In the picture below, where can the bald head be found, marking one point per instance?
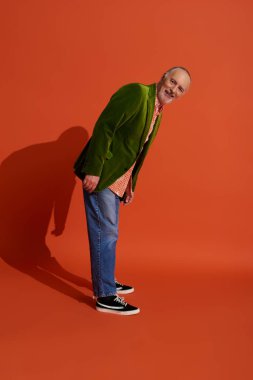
(175, 68)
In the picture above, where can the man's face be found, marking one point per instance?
(173, 87)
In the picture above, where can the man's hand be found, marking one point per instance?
(129, 194)
(90, 182)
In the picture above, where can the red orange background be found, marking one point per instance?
(186, 240)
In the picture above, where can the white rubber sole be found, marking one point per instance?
(110, 311)
(125, 291)
(120, 292)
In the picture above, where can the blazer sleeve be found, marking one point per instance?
(123, 104)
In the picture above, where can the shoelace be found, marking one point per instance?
(120, 300)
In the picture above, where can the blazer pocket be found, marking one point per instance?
(108, 155)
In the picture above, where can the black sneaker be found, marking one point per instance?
(115, 305)
(123, 289)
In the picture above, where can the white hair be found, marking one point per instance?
(175, 68)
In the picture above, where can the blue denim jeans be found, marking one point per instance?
(102, 216)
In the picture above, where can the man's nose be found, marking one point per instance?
(174, 90)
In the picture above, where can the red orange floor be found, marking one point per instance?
(196, 322)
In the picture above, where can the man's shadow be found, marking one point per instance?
(35, 182)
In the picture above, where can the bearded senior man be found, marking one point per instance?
(108, 167)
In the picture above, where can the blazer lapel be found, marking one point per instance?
(155, 128)
(150, 112)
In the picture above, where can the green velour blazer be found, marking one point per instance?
(119, 134)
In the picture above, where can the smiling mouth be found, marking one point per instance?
(168, 94)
